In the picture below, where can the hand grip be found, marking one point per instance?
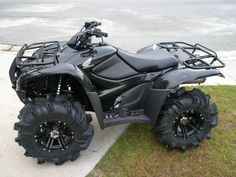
(100, 33)
(103, 34)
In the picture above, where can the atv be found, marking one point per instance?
(61, 82)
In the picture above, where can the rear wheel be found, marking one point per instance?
(186, 119)
(54, 131)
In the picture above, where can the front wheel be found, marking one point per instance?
(186, 119)
(54, 131)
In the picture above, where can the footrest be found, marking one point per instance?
(114, 118)
(123, 114)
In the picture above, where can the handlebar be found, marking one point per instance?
(84, 36)
(98, 32)
(99, 23)
(90, 28)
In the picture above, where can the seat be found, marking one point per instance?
(149, 61)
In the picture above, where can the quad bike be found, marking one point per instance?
(59, 81)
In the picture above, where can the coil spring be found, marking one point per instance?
(59, 85)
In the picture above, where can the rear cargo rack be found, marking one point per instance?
(199, 57)
(41, 51)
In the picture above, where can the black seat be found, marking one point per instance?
(149, 61)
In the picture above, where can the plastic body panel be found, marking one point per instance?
(180, 76)
(143, 98)
(64, 68)
(113, 68)
(109, 89)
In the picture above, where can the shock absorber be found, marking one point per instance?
(59, 85)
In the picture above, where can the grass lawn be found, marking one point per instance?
(137, 153)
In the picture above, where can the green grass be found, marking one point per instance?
(136, 152)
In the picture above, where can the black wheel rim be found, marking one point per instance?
(54, 135)
(188, 124)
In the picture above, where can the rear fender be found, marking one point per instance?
(173, 79)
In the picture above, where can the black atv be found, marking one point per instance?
(59, 81)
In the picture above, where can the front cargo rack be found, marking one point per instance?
(38, 54)
(199, 57)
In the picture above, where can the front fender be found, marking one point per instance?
(78, 74)
(173, 79)
(64, 68)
